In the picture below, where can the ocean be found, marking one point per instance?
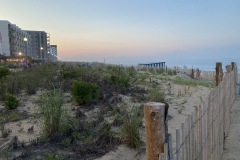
(204, 64)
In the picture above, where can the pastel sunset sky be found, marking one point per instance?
(132, 30)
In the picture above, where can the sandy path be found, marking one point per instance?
(123, 153)
(232, 144)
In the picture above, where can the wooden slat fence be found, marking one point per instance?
(201, 136)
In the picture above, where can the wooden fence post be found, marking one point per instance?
(183, 142)
(178, 143)
(234, 69)
(166, 151)
(170, 147)
(154, 114)
(233, 65)
(218, 73)
(196, 135)
(228, 68)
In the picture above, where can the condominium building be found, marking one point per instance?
(39, 41)
(54, 52)
(14, 41)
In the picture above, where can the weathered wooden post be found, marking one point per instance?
(233, 65)
(218, 72)
(228, 68)
(234, 68)
(154, 114)
(192, 73)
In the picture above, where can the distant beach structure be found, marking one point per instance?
(152, 65)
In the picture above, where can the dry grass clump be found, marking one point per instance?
(54, 115)
(130, 130)
(156, 95)
(191, 82)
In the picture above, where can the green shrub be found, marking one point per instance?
(84, 92)
(11, 101)
(54, 115)
(120, 80)
(69, 73)
(4, 71)
(67, 142)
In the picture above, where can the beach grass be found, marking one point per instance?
(191, 82)
(53, 113)
(130, 130)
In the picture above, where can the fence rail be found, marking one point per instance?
(201, 136)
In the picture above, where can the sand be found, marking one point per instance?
(21, 127)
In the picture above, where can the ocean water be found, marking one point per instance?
(204, 64)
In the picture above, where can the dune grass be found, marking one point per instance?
(192, 82)
(130, 130)
(53, 113)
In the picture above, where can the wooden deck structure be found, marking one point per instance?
(157, 64)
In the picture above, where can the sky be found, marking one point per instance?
(132, 31)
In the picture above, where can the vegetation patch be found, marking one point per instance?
(130, 130)
(192, 82)
(54, 115)
(4, 71)
(11, 116)
(84, 92)
(11, 102)
(171, 72)
(101, 124)
(156, 95)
